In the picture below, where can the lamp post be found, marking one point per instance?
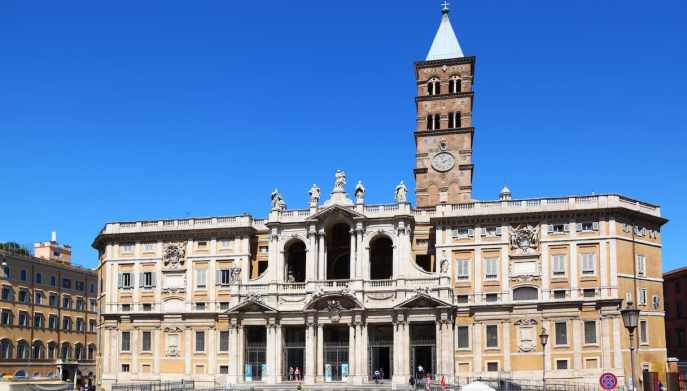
(630, 316)
(543, 338)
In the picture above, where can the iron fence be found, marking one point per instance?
(155, 386)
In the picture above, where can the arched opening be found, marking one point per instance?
(295, 262)
(454, 85)
(20, 374)
(339, 252)
(525, 293)
(381, 258)
(66, 351)
(37, 350)
(22, 350)
(433, 86)
(5, 349)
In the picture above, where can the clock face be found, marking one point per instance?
(443, 161)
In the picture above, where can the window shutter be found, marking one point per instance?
(141, 279)
(550, 228)
(498, 231)
(595, 226)
(218, 277)
(471, 232)
(579, 227)
(566, 227)
(152, 278)
(120, 280)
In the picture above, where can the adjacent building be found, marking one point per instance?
(48, 319)
(341, 288)
(675, 293)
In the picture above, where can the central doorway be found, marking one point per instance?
(293, 368)
(422, 349)
(336, 353)
(255, 364)
(380, 350)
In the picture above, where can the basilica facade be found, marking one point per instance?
(343, 290)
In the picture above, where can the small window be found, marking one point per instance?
(149, 247)
(525, 293)
(454, 85)
(148, 279)
(591, 363)
(263, 249)
(22, 275)
(462, 232)
(147, 307)
(589, 292)
(126, 307)
(491, 232)
(223, 341)
(202, 244)
(590, 332)
(125, 280)
(559, 294)
(433, 86)
(223, 305)
(201, 278)
(561, 364)
(561, 333)
(559, 228)
(644, 331)
(146, 341)
(53, 281)
(463, 269)
(642, 296)
(126, 341)
(125, 368)
(491, 297)
(559, 265)
(127, 248)
(463, 337)
(588, 264)
(200, 306)
(641, 265)
(39, 278)
(223, 369)
(492, 336)
(492, 268)
(200, 341)
(492, 366)
(462, 299)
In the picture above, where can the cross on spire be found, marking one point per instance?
(444, 6)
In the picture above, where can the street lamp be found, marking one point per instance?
(630, 316)
(543, 338)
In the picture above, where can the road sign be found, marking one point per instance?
(608, 381)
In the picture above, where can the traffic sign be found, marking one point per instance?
(608, 381)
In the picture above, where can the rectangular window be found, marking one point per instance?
(558, 228)
(223, 369)
(52, 322)
(126, 341)
(66, 283)
(52, 300)
(561, 333)
(462, 232)
(492, 366)
(149, 247)
(559, 294)
(224, 305)
(561, 364)
(589, 292)
(492, 268)
(590, 332)
(79, 325)
(38, 321)
(588, 263)
(644, 331)
(127, 248)
(126, 307)
(66, 302)
(591, 363)
(7, 293)
(224, 277)
(491, 232)
(94, 305)
(491, 297)
(681, 338)
(492, 336)
(79, 304)
(263, 249)
(147, 307)
(39, 298)
(146, 341)
(223, 341)
(202, 245)
(6, 317)
(200, 306)
(23, 296)
(125, 280)
(463, 269)
(147, 279)
(92, 325)
(679, 310)
(462, 299)
(23, 319)
(559, 265)
(463, 337)
(641, 265)
(642, 296)
(125, 368)
(200, 341)
(201, 278)
(66, 323)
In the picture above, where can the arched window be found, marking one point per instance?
(433, 86)
(5, 349)
(66, 351)
(454, 120)
(91, 352)
(20, 374)
(52, 347)
(37, 350)
(381, 258)
(454, 85)
(338, 239)
(525, 293)
(437, 122)
(295, 262)
(78, 349)
(22, 350)
(430, 122)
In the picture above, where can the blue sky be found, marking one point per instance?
(140, 110)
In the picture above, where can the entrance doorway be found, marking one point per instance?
(255, 361)
(422, 349)
(294, 353)
(381, 350)
(336, 353)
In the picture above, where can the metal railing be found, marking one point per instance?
(155, 386)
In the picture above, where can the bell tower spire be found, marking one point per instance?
(444, 132)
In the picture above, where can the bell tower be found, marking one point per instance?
(444, 132)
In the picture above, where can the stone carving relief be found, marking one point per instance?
(334, 308)
(254, 297)
(444, 266)
(524, 239)
(173, 255)
(527, 334)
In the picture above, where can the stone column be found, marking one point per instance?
(362, 367)
(278, 341)
(477, 348)
(359, 251)
(439, 347)
(106, 353)
(188, 350)
(352, 261)
(310, 364)
(268, 378)
(320, 353)
(156, 352)
(605, 329)
(405, 351)
(603, 268)
(241, 352)
(212, 350)
(311, 255)
(352, 362)
(232, 354)
(577, 343)
(506, 330)
(477, 277)
(321, 262)
(573, 278)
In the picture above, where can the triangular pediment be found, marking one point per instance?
(423, 300)
(335, 210)
(251, 306)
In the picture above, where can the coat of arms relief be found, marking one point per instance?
(525, 265)
(173, 255)
(527, 334)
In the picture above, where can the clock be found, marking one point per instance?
(443, 161)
